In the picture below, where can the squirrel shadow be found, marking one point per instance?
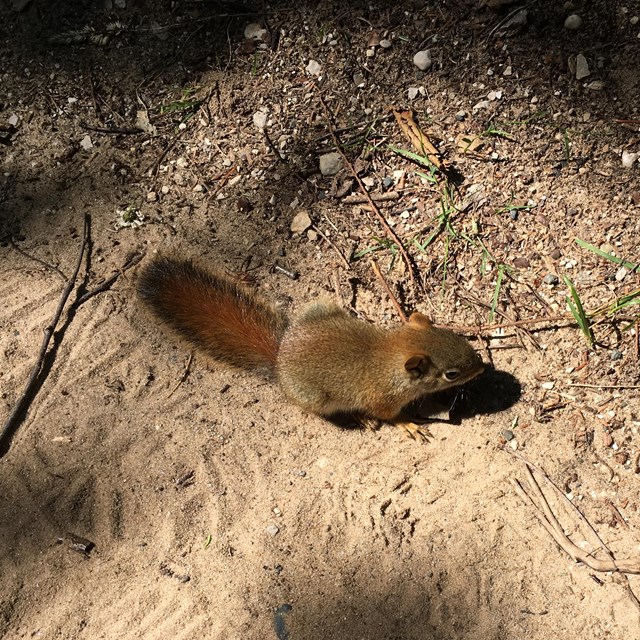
(491, 392)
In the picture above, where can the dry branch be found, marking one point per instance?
(13, 420)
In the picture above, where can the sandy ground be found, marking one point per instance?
(212, 508)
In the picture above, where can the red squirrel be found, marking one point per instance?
(325, 361)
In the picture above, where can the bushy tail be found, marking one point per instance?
(214, 313)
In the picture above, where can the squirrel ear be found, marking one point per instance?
(417, 365)
(419, 320)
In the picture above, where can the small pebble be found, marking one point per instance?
(620, 457)
(521, 263)
(385, 44)
(507, 434)
(551, 278)
(422, 60)
(313, 68)
(573, 22)
(621, 274)
(387, 182)
(628, 159)
(556, 254)
(152, 196)
(330, 164)
(272, 530)
(607, 439)
(548, 385)
(513, 214)
(254, 31)
(413, 92)
(301, 222)
(616, 355)
(461, 115)
(260, 119)
(582, 67)
(312, 235)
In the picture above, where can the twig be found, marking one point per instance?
(507, 325)
(42, 262)
(376, 197)
(111, 130)
(396, 304)
(184, 375)
(549, 521)
(372, 204)
(13, 420)
(333, 246)
(132, 261)
(604, 386)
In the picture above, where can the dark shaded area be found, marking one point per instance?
(135, 65)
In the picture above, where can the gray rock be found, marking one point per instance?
(272, 530)
(582, 67)
(573, 22)
(507, 435)
(422, 60)
(551, 278)
(330, 164)
(616, 355)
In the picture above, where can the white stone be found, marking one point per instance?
(313, 68)
(254, 31)
(260, 118)
(422, 60)
(628, 159)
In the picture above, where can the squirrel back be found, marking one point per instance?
(214, 313)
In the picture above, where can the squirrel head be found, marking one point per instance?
(436, 358)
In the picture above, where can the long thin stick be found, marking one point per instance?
(548, 519)
(365, 193)
(396, 304)
(132, 261)
(13, 420)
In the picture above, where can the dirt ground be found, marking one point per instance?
(145, 493)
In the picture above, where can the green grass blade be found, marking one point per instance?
(496, 293)
(577, 311)
(607, 256)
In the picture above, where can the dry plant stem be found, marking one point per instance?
(42, 262)
(20, 406)
(604, 386)
(391, 233)
(390, 196)
(345, 262)
(551, 524)
(396, 304)
(417, 137)
(507, 325)
(184, 375)
(131, 262)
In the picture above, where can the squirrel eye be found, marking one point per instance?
(452, 375)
